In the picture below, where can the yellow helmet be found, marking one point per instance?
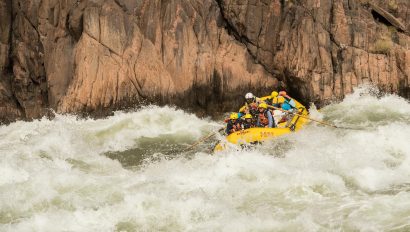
(281, 100)
(274, 94)
(263, 105)
(233, 116)
(248, 116)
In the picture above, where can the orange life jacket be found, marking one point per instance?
(263, 119)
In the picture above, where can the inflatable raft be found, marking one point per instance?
(260, 134)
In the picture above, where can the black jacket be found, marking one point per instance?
(233, 125)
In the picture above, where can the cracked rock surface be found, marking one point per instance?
(325, 48)
(87, 56)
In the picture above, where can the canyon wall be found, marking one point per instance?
(325, 48)
(92, 57)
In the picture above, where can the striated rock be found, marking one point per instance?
(120, 60)
(325, 48)
(97, 56)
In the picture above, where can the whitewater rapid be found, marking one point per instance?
(129, 172)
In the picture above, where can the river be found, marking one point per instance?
(129, 172)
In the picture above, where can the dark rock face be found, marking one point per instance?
(97, 56)
(9, 106)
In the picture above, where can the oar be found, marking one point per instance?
(203, 139)
(318, 121)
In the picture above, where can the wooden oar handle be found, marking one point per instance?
(203, 139)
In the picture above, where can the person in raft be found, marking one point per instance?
(248, 122)
(288, 103)
(282, 103)
(265, 118)
(273, 99)
(234, 124)
(251, 105)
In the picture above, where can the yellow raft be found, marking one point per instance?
(260, 134)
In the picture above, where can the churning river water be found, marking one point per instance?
(129, 172)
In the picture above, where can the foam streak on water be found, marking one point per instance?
(128, 173)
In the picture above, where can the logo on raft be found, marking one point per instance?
(242, 132)
(266, 134)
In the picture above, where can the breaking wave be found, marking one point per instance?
(131, 172)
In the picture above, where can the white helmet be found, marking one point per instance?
(249, 96)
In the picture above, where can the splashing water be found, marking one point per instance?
(129, 172)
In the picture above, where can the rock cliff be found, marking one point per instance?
(94, 56)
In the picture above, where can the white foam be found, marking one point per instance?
(55, 176)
